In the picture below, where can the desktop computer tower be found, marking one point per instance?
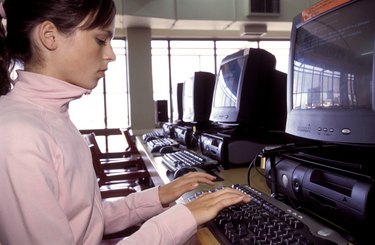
(185, 136)
(229, 151)
(343, 199)
(161, 111)
(168, 130)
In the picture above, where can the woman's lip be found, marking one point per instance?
(101, 72)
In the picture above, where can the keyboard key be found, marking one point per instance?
(155, 144)
(175, 160)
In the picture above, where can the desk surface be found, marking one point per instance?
(158, 173)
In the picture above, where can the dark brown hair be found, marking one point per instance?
(22, 16)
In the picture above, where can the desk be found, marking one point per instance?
(158, 173)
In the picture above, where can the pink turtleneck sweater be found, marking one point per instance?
(48, 191)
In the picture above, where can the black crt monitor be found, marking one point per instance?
(331, 92)
(250, 92)
(180, 87)
(177, 103)
(197, 97)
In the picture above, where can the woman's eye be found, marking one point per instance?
(101, 41)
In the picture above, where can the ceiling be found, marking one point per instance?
(200, 28)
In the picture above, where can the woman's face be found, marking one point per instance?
(83, 57)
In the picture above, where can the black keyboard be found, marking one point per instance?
(265, 220)
(152, 135)
(183, 158)
(155, 144)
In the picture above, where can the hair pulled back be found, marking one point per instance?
(22, 16)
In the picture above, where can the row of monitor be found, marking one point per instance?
(248, 91)
(328, 95)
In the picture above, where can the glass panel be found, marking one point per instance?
(160, 77)
(190, 56)
(117, 73)
(192, 44)
(160, 71)
(117, 112)
(82, 113)
(117, 89)
(116, 143)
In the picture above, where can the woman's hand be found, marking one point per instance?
(173, 190)
(208, 205)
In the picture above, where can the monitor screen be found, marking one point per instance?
(331, 76)
(228, 81)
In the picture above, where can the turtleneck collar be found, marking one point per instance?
(47, 92)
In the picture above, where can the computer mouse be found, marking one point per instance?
(183, 170)
(167, 149)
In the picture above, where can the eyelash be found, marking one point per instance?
(101, 42)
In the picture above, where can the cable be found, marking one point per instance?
(249, 170)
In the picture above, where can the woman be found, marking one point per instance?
(49, 192)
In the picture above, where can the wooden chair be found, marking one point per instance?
(114, 160)
(130, 140)
(118, 183)
(117, 190)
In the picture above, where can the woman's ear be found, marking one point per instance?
(47, 34)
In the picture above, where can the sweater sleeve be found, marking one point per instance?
(174, 226)
(130, 210)
(163, 226)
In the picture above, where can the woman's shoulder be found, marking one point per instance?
(20, 122)
(18, 111)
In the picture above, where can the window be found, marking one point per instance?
(174, 61)
(188, 57)
(161, 69)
